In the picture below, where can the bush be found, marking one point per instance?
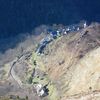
(30, 80)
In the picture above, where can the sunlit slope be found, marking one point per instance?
(73, 62)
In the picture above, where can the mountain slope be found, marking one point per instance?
(67, 68)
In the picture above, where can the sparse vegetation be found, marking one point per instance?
(13, 97)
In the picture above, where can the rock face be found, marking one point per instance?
(69, 67)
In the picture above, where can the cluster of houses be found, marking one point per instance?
(54, 33)
(43, 44)
(41, 90)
